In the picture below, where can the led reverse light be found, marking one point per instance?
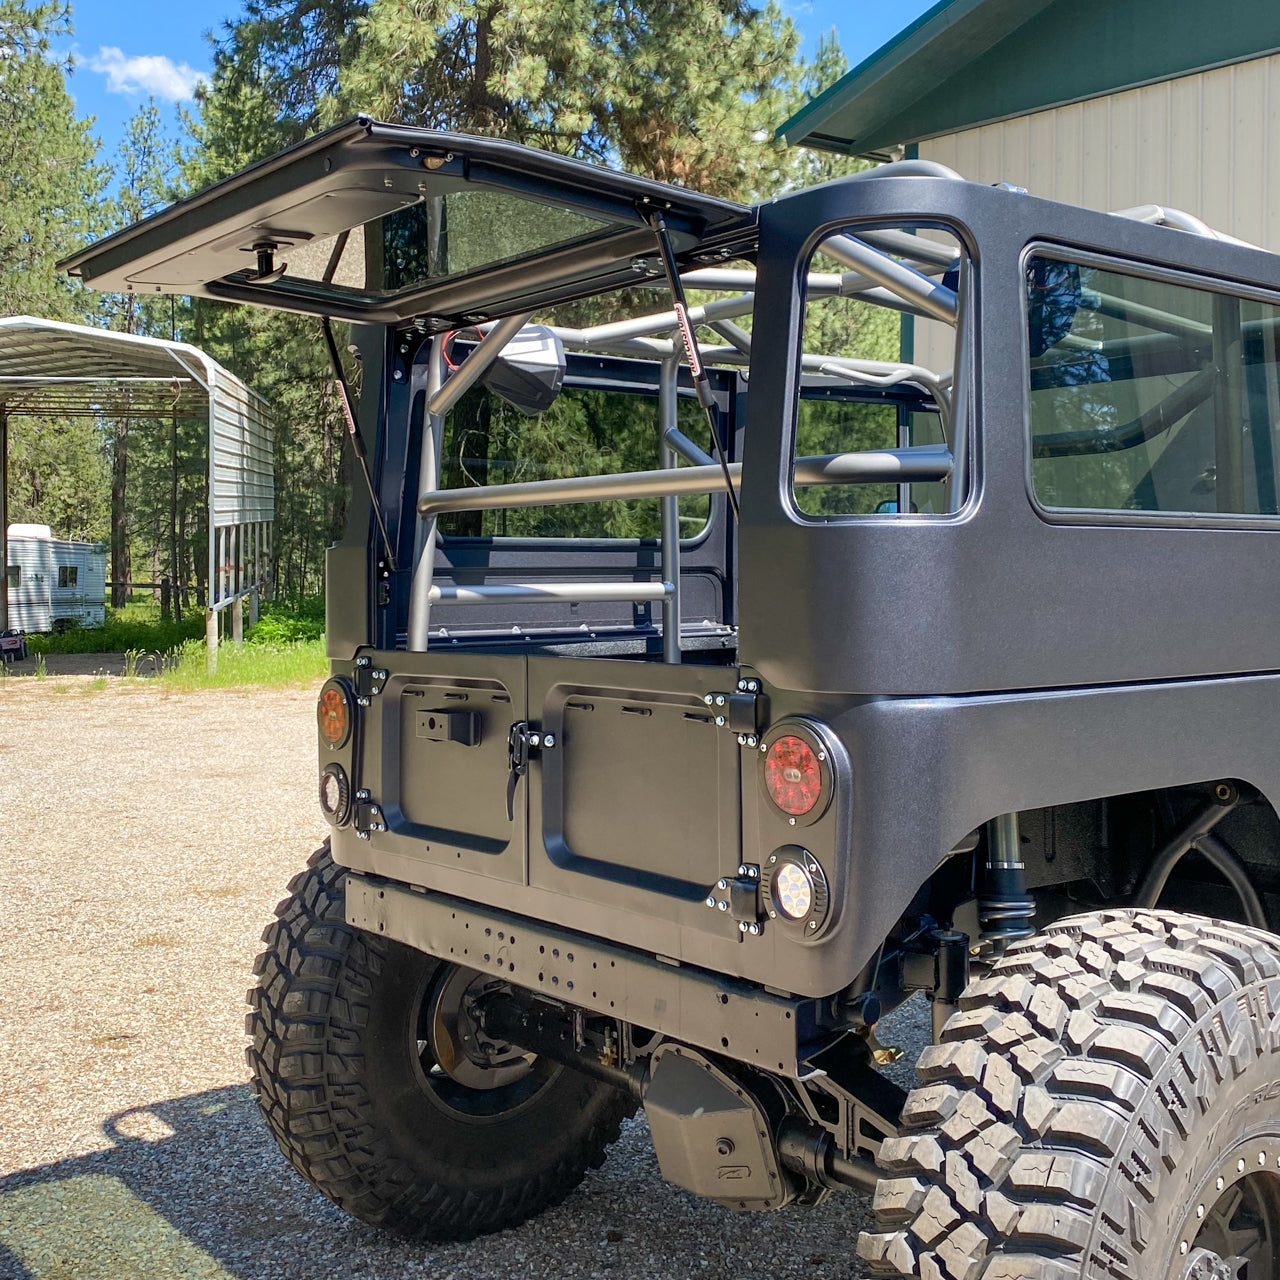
(799, 896)
(335, 794)
(793, 891)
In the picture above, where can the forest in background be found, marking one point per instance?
(686, 91)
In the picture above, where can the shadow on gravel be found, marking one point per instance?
(195, 1188)
(187, 1186)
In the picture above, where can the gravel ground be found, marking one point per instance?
(146, 837)
(76, 664)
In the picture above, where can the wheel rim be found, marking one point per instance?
(460, 1070)
(1232, 1228)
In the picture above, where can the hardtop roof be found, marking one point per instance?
(383, 223)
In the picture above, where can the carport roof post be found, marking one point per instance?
(971, 62)
(48, 367)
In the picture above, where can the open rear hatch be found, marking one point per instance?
(382, 223)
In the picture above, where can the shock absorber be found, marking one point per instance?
(1006, 911)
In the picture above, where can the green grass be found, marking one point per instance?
(286, 647)
(128, 628)
(138, 627)
(284, 622)
(251, 664)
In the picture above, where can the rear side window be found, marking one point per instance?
(68, 575)
(1150, 395)
(876, 371)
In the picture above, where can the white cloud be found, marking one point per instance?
(147, 73)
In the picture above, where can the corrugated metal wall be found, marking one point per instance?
(1205, 143)
(242, 467)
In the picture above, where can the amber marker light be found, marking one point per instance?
(333, 713)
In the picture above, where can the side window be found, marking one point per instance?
(68, 575)
(585, 432)
(13, 575)
(876, 369)
(1149, 395)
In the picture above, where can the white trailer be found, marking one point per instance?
(52, 581)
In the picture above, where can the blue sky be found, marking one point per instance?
(126, 49)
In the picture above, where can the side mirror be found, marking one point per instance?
(529, 371)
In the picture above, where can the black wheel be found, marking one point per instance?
(383, 1094)
(1106, 1103)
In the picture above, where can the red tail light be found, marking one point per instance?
(793, 776)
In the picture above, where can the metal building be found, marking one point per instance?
(1101, 103)
(54, 369)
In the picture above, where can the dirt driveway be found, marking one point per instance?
(144, 839)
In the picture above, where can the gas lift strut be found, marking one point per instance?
(701, 383)
(357, 443)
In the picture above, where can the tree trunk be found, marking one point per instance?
(120, 564)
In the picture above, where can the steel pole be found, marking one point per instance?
(668, 405)
(424, 553)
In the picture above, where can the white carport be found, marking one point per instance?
(52, 369)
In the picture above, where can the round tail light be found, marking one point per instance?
(333, 714)
(793, 776)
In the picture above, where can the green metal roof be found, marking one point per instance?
(969, 62)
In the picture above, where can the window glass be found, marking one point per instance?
(13, 573)
(585, 432)
(443, 235)
(874, 376)
(1149, 395)
(68, 575)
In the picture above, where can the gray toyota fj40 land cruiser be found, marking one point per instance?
(702, 687)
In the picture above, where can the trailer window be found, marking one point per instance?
(13, 575)
(1149, 395)
(585, 432)
(68, 575)
(876, 371)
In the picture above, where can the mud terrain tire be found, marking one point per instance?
(1106, 1103)
(335, 1071)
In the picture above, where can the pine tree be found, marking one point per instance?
(146, 171)
(50, 186)
(49, 181)
(687, 91)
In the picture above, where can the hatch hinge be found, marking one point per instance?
(743, 712)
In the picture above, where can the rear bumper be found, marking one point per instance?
(725, 1015)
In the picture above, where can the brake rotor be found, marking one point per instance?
(459, 1047)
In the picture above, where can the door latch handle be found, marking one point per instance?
(523, 739)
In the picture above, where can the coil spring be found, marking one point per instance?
(1008, 919)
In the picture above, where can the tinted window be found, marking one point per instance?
(585, 432)
(1148, 395)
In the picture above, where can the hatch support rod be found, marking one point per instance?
(357, 444)
(701, 383)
